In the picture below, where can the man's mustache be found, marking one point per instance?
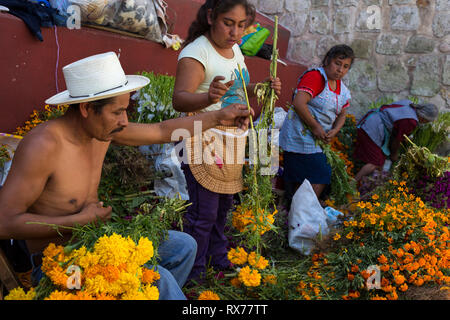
(117, 130)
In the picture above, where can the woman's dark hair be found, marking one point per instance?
(200, 26)
(340, 51)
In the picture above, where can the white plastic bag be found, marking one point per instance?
(307, 219)
(166, 162)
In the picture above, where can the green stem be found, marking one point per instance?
(246, 95)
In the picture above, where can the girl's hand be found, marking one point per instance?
(331, 134)
(319, 133)
(217, 89)
(275, 84)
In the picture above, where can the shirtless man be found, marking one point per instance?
(57, 167)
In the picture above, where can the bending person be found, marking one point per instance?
(380, 132)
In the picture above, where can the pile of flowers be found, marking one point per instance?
(38, 117)
(112, 270)
(407, 241)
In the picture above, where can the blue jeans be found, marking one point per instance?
(176, 258)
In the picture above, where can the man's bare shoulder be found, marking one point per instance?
(41, 141)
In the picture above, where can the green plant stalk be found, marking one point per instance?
(274, 63)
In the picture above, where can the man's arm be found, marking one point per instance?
(27, 178)
(136, 134)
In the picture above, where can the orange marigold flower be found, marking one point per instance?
(403, 287)
(399, 279)
(149, 276)
(382, 259)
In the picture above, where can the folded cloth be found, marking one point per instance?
(34, 15)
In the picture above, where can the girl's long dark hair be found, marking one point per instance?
(200, 26)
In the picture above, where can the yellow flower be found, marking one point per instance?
(337, 236)
(375, 197)
(144, 251)
(237, 256)
(208, 295)
(249, 277)
(349, 235)
(114, 250)
(60, 295)
(151, 292)
(259, 263)
(19, 294)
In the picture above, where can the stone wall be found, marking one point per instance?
(402, 46)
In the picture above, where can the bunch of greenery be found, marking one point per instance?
(419, 161)
(342, 184)
(153, 220)
(258, 197)
(154, 101)
(127, 179)
(431, 135)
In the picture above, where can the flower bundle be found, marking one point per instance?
(431, 135)
(38, 117)
(255, 216)
(342, 184)
(113, 269)
(419, 161)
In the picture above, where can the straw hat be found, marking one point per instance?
(96, 77)
(216, 161)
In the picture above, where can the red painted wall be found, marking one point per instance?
(31, 69)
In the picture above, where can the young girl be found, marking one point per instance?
(320, 101)
(207, 79)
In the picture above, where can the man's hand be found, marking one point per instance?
(235, 115)
(95, 211)
(217, 89)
